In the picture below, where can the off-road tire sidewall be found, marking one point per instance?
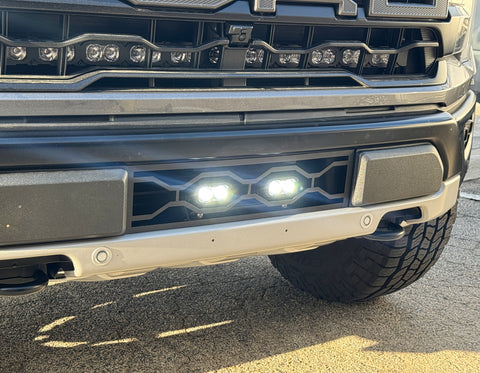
(358, 269)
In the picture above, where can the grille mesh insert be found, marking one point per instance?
(164, 196)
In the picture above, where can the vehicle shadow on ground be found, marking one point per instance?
(200, 319)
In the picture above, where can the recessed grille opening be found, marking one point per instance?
(93, 44)
(164, 197)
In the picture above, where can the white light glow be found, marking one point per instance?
(213, 193)
(282, 187)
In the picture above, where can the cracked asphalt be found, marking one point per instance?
(243, 317)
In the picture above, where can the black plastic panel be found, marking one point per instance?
(55, 206)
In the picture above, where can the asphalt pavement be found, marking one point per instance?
(243, 317)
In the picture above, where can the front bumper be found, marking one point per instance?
(137, 253)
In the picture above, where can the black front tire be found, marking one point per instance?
(359, 269)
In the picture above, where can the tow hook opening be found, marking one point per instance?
(391, 227)
(31, 275)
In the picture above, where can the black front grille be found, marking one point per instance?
(167, 53)
(164, 196)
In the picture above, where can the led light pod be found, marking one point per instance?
(111, 53)
(214, 55)
(329, 56)
(282, 188)
(48, 54)
(17, 53)
(138, 53)
(380, 59)
(214, 194)
(323, 56)
(70, 53)
(156, 56)
(94, 52)
(254, 56)
(351, 57)
(180, 57)
(317, 57)
(289, 58)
